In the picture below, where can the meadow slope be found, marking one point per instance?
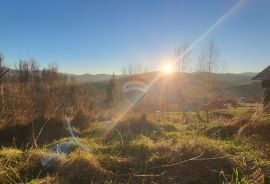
(233, 148)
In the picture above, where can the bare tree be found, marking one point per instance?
(1, 60)
(209, 63)
(182, 55)
(124, 70)
(24, 72)
(132, 69)
(35, 74)
(50, 74)
(2, 72)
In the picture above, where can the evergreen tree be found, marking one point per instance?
(111, 92)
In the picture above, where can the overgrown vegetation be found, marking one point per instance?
(140, 150)
(54, 130)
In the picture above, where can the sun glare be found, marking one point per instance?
(167, 68)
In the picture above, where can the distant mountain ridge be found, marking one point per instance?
(250, 74)
(236, 79)
(234, 85)
(94, 78)
(227, 79)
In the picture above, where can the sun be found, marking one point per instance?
(167, 68)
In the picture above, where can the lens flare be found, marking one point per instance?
(167, 68)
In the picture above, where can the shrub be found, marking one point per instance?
(258, 129)
(82, 167)
(133, 126)
(81, 120)
(226, 130)
(45, 129)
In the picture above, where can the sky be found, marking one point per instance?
(103, 36)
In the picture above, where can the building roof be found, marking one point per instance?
(263, 75)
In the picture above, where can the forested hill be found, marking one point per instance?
(226, 78)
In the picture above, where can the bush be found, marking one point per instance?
(82, 167)
(227, 130)
(133, 126)
(258, 129)
(81, 120)
(22, 134)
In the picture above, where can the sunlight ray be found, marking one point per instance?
(194, 44)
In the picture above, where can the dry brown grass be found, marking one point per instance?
(150, 152)
(133, 126)
(227, 130)
(257, 129)
(168, 161)
(82, 167)
(21, 167)
(22, 134)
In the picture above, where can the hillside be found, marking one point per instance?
(224, 78)
(226, 85)
(148, 150)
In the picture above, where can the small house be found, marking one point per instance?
(264, 76)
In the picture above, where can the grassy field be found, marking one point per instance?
(234, 148)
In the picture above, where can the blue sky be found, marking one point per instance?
(102, 36)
